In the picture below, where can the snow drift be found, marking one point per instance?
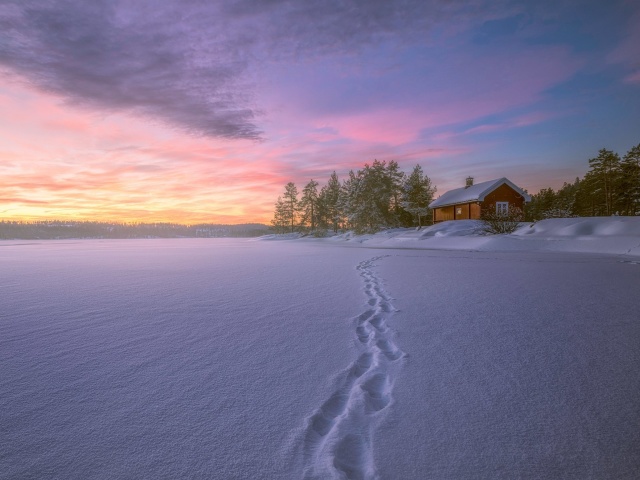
(606, 235)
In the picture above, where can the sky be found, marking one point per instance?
(192, 111)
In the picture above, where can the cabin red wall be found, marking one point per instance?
(504, 193)
(443, 214)
(463, 211)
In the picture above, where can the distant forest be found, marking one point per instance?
(382, 196)
(61, 229)
(378, 196)
(610, 187)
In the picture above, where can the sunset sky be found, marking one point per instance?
(196, 111)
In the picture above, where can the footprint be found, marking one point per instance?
(352, 457)
(363, 317)
(378, 323)
(363, 333)
(379, 292)
(385, 307)
(389, 349)
(362, 364)
(320, 424)
(335, 405)
(376, 392)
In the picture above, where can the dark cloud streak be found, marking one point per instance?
(187, 63)
(149, 66)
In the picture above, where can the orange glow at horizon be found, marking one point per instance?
(63, 163)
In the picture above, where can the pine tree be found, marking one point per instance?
(394, 182)
(417, 194)
(329, 203)
(309, 205)
(291, 206)
(280, 221)
(347, 198)
(564, 204)
(541, 202)
(371, 198)
(629, 187)
(604, 180)
(587, 201)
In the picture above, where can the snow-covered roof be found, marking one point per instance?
(474, 193)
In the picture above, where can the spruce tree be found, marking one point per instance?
(347, 198)
(330, 203)
(371, 199)
(309, 205)
(417, 194)
(629, 194)
(394, 181)
(604, 170)
(291, 205)
(564, 205)
(280, 221)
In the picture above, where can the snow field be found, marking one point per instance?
(520, 365)
(312, 359)
(164, 359)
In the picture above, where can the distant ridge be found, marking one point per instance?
(63, 229)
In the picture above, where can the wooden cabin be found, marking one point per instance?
(468, 202)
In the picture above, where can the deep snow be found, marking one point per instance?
(611, 235)
(310, 359)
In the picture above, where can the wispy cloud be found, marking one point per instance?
(190, 63)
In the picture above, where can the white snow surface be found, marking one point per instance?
(308, 358)
(607, 235)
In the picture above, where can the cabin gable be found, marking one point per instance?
(504, 193)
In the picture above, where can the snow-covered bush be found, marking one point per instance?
(558, 213)
(501, 222)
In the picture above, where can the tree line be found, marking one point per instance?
(61, 229)
(382, 196)
(378, 196)
(610, 187)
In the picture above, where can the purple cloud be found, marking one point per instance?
(190, 64)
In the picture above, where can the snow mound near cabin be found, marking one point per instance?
(581, 226)
(457, 228)
(605, 235)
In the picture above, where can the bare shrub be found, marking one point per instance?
(501, 222)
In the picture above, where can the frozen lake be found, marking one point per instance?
(234, 359)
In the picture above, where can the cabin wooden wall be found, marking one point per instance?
(443, 214)
(475, 211)
(504, 193)
(467, 211)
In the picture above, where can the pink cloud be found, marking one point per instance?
(633, 78)
(70, 163)
(391, 127)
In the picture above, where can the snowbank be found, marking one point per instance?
(606, 235)
(281, 236)
(580, 227)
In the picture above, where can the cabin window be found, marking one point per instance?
(458, 211)
(502, 208)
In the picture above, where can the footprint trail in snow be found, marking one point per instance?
(337, 439)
